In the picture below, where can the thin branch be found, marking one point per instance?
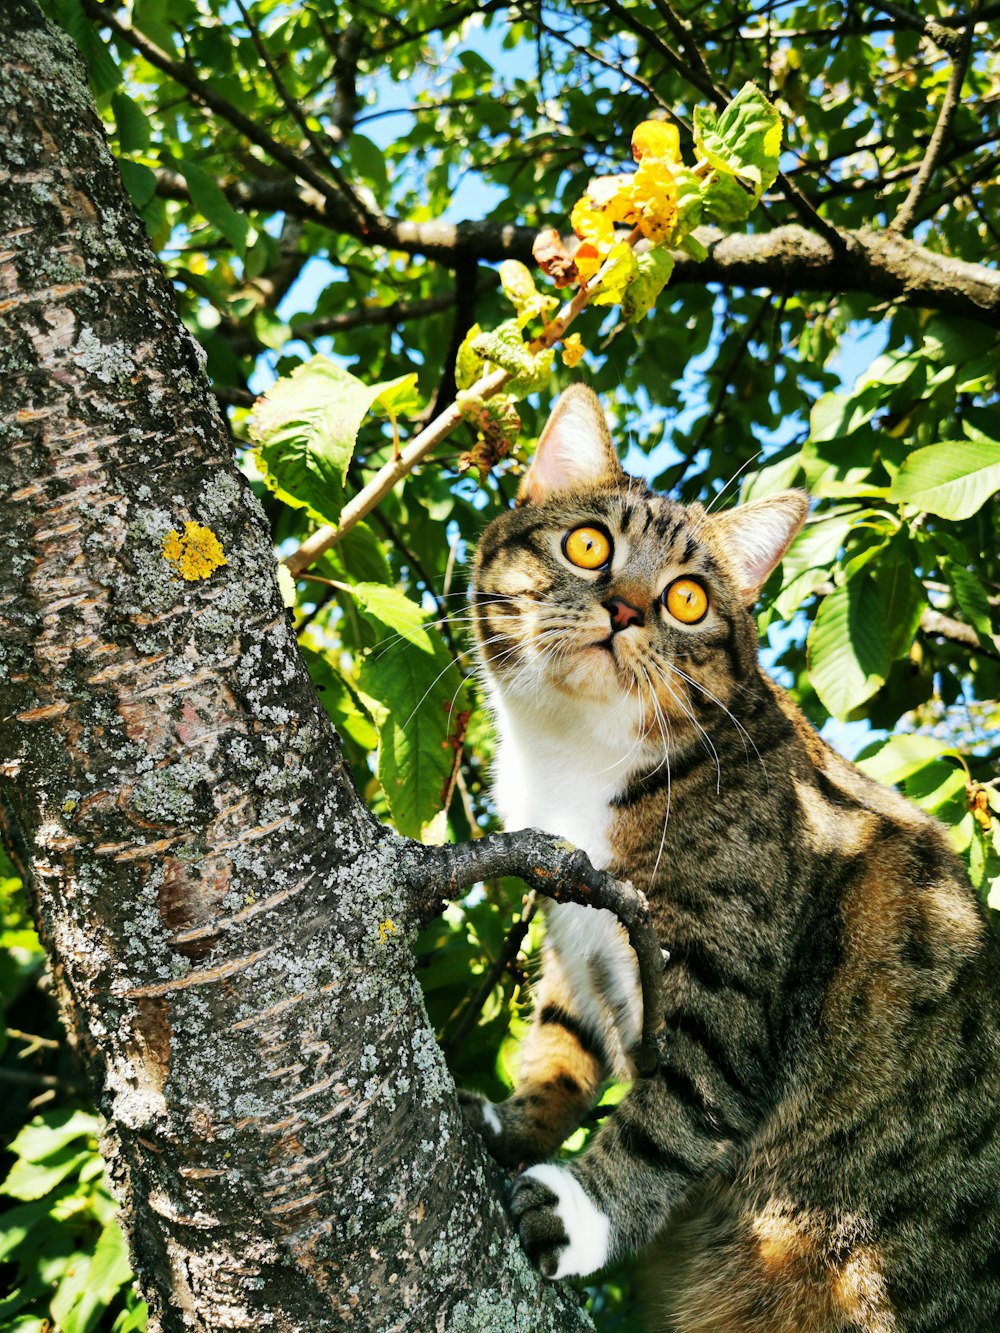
(558, 871)
(956, 631)
(203, 92)
(507, 954)
(940, 35)
(295, 111)
(904, 218)
(439, 429)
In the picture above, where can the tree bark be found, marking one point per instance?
(228, 929)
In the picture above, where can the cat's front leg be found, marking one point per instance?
(618, 1196)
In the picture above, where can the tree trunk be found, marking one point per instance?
(228, 929)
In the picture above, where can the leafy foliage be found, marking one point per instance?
(287, 168)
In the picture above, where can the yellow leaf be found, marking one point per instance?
(620, 267)
(612, 196)
(572, 350)
(655, 138)
(592, 225)
(587, 259)
(654, 193)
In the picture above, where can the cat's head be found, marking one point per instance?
(595, 588)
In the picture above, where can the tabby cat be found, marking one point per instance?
(820, 1148)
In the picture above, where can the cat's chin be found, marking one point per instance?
(596, 674)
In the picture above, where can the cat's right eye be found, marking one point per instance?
(587, 548)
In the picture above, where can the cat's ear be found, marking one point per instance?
(575, 450)
(753, 537)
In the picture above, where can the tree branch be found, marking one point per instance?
(940, 35)
(561, 872)
(875, 263)
(907, 213)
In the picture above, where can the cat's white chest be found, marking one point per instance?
(558, 773)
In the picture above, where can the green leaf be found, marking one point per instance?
(904, 599)
(48, 1134)
(848, 646)
(973, 602)
(305, 428)
(619, 269)
(131, 124)
(519, 287)
(728, 202)
(939, 788)
(952, 480)
(369, 161)
(339, 700)
(138, 180)
(744, 141)
(504, 347)
(409, 683)
(213, 205)
(399, 397)
(31, 1180)
(894, 760)
(21, 1224)
(653, 273)
(102, 70)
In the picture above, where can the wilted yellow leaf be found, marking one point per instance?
(655, 138)
(592, 225)
(572, 350)
(612, 196)
(587, 259)
(654, 193)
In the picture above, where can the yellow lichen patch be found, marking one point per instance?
(385, 929)
(196, 554)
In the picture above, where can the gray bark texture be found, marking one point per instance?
(228, 929)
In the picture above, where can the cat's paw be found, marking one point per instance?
(482, 1115)
(500, 1126)
(562, 1230)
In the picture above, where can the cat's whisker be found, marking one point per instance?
(743, 732)
(689, 714)
(665, 736)
(453, 618)
(721, 492)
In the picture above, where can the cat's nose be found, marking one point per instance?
(623, 614)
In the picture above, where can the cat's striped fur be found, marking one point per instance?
(821, 1147)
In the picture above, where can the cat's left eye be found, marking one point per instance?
(687, 600)
(587, 548)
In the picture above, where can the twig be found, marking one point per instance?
(26, 1079)
(295, 111)
(940, 35)
(509, 951)
(561, 872)
(904, 218)
(439, 429)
